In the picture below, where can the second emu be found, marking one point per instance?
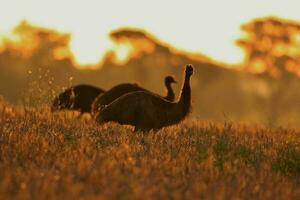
(122, 89)
(78, 98)
(146, 111)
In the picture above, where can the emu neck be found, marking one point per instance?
(170, 95)
(182, 107)
(185, 97)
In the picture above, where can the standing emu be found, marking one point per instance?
(121, 89)
(148, 111)
(78, 98)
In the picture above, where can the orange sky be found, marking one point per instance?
(206, 26)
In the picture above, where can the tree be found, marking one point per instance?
(34, 55)
(272, 47)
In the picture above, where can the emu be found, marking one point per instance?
(121, 89)
(79, 97)
(146, 111)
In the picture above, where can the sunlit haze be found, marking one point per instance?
(199, 26)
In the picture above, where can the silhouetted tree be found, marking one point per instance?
(37, 59)
(272, 47)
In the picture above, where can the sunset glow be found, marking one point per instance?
(122, 52)
(208, 27)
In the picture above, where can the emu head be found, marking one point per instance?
(189, 70)
(64, 100)
(169, 80)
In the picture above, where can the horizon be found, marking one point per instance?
(89, 32)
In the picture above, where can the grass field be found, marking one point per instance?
(45, 156)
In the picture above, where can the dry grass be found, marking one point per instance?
(44, 156)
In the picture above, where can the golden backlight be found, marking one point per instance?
(122, 52)
(206, 26)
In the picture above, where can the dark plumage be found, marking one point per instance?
(147, 111)
(78, 98)
(121, 89)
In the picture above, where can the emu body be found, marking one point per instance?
(78, 98)
(146, 111)
(122, 89)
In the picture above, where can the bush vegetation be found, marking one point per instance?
(58, 156)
